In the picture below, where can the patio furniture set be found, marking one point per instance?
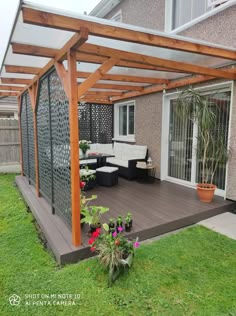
(108, 161)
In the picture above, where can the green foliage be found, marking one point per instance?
(92, 214)
(212, 148)
(189, 273)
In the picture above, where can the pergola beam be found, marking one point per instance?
(40, 51)
(57, 21)
(8, 94)
(10, 88)
(15, 81)
(96, 75)
(98, 101)
(22, 69)
(117, 87)
(154, 61)
(125, 78)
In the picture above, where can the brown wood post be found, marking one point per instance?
(33, 91)
(74, 147)
(20, 134)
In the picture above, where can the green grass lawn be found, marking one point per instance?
(189, 273)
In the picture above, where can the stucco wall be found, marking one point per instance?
(145, 13)
(218, 29)
(148, 116)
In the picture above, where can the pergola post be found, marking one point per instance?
(33, 90)
(20, 134)
(74, 146)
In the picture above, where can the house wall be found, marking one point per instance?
(145, 13)
(219, 29)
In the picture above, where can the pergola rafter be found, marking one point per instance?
(141, 73)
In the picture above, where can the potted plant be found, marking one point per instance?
(92, 215)
(111, 225)
(115, 252)
(84, 145)
(119, 223)
(128, 222)
(88, 176)
(84, 201)
(211, 149)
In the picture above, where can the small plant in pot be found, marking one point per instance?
(128, 222)
(111, 225)
(211, 149)
(119, 223)
(115, 252)
(92, 215)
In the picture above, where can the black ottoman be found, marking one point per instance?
(107, 176)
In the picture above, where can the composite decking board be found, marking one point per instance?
(156, 208)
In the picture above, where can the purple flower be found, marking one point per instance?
(120, 229)
(114, 234)
(136, 244)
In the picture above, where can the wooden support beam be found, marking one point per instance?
(96, 75)
(158, 88)
(102, 93)
(74, 147)
(154, 61)
(97, 101)
(22, 69)
(63, 75)
(32, 50)
(8, 94)
(33, 92)
(94, 59)
(57, 21)
(20, 135)
(117, 87)
(76, 40)
(10, 88)
(125, 78)
(15, 81)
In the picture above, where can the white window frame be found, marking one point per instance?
(228, 86)
(117, 136)
(169, 4)
(118, 13)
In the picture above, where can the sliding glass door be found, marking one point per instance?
(182, 161)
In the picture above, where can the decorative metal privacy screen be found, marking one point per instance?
(96, 122)
(53, 145)
(27, 130)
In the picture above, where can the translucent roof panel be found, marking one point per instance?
(55, 38)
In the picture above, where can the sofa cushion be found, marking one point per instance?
(105, 148)
(87, 161)
(118, 162)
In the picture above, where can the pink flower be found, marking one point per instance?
(120, 229)
(114, 234)
(93, 249)
(136, 244)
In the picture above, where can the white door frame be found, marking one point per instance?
(167, 97)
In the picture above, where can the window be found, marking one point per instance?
(185, 11)
(125, 120)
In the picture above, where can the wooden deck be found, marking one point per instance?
(157, 208)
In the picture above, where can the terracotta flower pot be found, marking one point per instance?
(206, 192)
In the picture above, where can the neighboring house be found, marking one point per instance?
(8, 107)
(150, 120)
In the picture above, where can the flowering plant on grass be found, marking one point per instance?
(115, 251)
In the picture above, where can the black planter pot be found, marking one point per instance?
(128, 227)
(111, 227)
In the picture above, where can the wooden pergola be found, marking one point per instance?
(100, 61)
